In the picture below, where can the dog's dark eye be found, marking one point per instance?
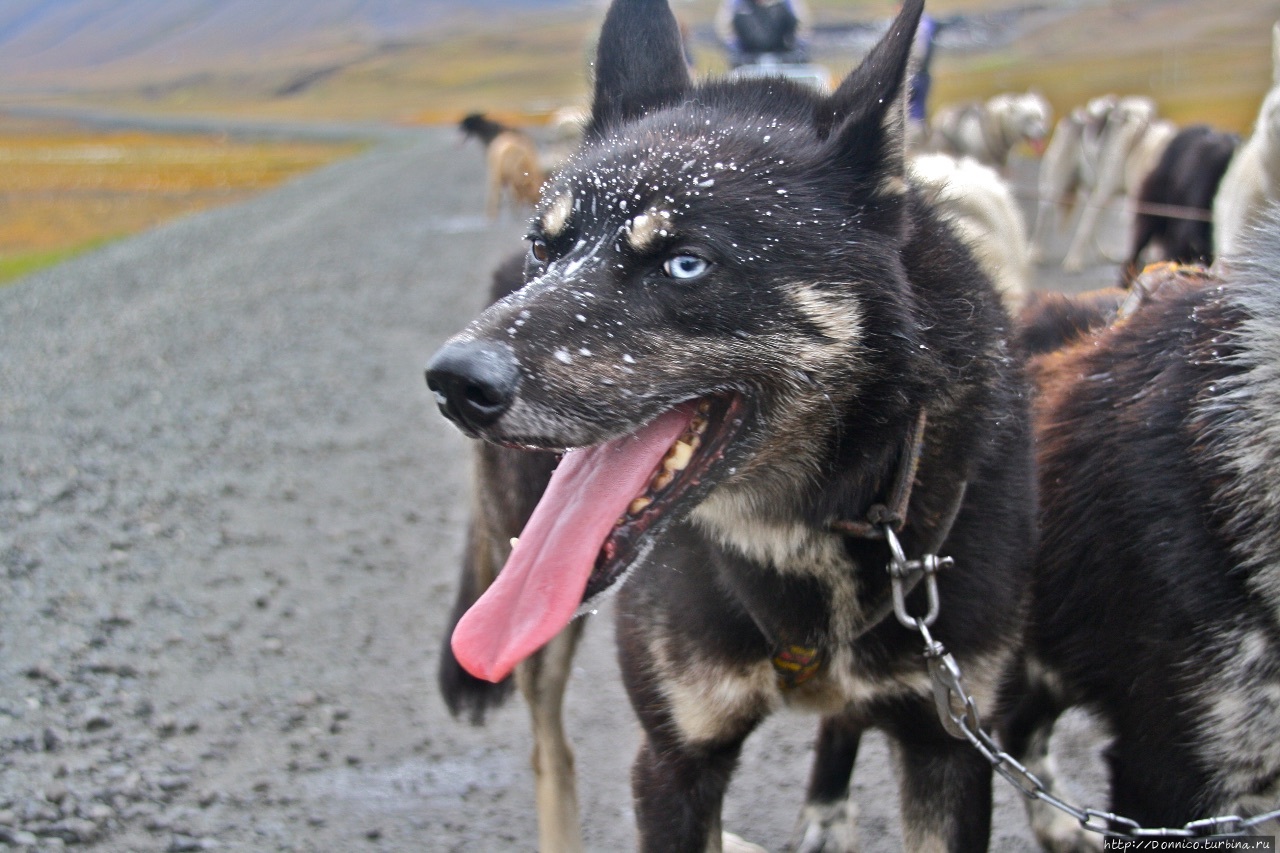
(540, 251)
(686, 267)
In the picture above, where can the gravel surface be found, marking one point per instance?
(230, 520)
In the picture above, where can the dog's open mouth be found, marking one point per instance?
(600, 515)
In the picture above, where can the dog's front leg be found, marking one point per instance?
(945, 785)
(828, 822)
(698, 693)
(543, 679)
(691, 747)
(678, 793)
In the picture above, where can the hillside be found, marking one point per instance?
(429, 61)
(79, 43)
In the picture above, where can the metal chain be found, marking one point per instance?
(959, 715)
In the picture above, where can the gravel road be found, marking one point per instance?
(229, 524)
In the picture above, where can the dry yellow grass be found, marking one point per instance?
(63, 187)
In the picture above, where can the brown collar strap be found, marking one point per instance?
(894, 512)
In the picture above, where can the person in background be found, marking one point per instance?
(750, 29)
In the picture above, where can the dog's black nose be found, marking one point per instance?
(474, 382)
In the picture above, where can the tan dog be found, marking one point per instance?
(513, 162)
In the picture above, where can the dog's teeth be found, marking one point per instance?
(514, 543)
(698, 425)
(677, 458)
(638, 505)
(661, 480)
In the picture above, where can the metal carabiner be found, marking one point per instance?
(900, 571)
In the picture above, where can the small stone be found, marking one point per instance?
(75, 830)
(99, 813)
(189, 844)
(17, 837)
(50, 740)
(307, 699)
(96, 721)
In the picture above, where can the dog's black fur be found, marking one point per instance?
(756, 246)
(1157, 585)
(1187, 176)
(1050, 321)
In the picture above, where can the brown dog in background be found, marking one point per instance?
(513, 162)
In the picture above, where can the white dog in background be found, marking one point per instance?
(1253, 178)
(1098, 152)
(982, 208)
(989, 130)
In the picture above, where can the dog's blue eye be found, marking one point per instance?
(685, 267)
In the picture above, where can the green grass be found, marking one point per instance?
(15, 266)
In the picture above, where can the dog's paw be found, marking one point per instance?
(730, 843)
(827, 828)
(1058, 832)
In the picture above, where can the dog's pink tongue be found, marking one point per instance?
(539, 589)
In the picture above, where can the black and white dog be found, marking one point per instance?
(1187, 176)
(749, 332)
(1157, 587)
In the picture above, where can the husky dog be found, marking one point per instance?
(1252, 181)
(1187, 176)
(989, 130)
(980, 206)
(761, 350)
(1097, 153)
(1157, 585)
(512, 157)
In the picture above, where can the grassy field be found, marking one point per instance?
(65, 189)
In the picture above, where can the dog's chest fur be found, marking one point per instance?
(801, 591)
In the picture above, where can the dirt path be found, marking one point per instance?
(229, 521)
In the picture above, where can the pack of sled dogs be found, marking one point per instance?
(744, 354)
(1194, 192)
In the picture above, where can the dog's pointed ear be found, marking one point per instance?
(866, 115)
(640, 64)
